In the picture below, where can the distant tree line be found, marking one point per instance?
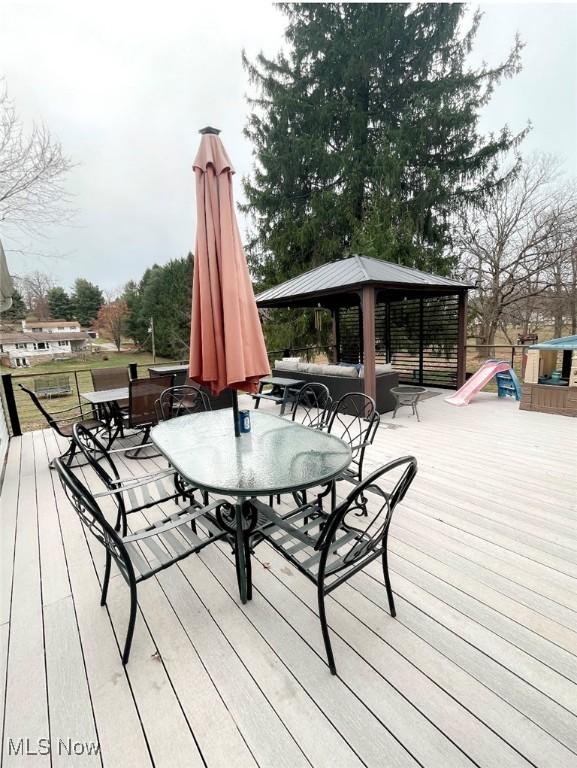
(37, 296)
(162, 296)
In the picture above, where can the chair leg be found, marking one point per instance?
(388, 583)
(106, 578)
(69, 453)
(131, 623)
(248, 567)
(325, 630)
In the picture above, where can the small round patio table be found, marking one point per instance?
(276, 456)
(405, 394)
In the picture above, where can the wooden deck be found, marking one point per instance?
(479, 668)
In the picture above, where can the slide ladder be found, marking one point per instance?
(508, 384)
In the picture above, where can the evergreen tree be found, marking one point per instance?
(167, 297)
(18, 309)
(136, 325)
(87, 299)
(164, 294)
(60, 304)
(365, 135)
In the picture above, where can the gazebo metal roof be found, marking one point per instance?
(349, 274)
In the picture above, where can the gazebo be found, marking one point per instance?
(385, 313)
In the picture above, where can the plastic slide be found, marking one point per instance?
(477, 381)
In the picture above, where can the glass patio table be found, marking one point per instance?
(276, 456)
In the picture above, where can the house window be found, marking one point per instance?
(37, 330)
(21, 362)
(63, 329)
(21, 346)
(62, 343)
(41, 345)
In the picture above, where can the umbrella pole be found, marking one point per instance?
(235, 413)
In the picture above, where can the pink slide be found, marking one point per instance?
(477, 381)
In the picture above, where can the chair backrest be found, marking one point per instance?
(142, 395)
(352, 537)
(355, 420)
(47, 415)
(180, 400)
(109, 378)
(180, 376)
(92, 518)
(313, 405)
(96, 455)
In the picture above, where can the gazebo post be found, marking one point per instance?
(462, 339)
(334, 336)
(368, 308)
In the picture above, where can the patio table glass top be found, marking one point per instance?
(276, 456)
(105, 395)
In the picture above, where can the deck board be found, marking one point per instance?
(478, 668)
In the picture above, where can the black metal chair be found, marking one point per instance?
(111, 378)
(355, 420)
(328, 548)
(180, 400)
(313, 406)
(133, 493)
(141, 415)
(147, 551)
(63, 424)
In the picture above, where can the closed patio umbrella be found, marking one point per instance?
(227, 348)
(6, 284)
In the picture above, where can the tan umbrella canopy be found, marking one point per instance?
(227, 348)
(6, 284)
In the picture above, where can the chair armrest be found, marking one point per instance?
(127, 484)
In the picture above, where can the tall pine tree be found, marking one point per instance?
(365, 135)
(60, 304)
(164, 294)
(87, 299)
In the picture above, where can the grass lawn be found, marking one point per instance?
(96, 360)
(81, 381)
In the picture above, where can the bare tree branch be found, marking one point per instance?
(33, 169)
(516, 245)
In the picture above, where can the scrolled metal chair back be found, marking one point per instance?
(313, 405)
(96, 454)
(93, 519)
(47, 415)
(180, 400)
(355, 420)
(366, 536)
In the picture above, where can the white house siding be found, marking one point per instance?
(15, 348)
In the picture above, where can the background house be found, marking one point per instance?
(40, 342)
(51, 326)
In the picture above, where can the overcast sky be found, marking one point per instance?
(125, 87)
